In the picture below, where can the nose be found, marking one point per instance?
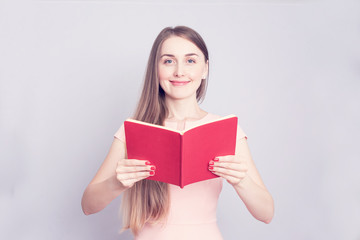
(179, 70)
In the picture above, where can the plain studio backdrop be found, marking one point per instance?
(71, 73)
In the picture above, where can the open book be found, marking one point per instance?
(181, 157)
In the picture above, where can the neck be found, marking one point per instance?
(184, 109)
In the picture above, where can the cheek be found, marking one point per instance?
(197, 73)
(163, 73)
(161, 83)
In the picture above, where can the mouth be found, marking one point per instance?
(179, 83)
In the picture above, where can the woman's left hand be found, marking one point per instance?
(229, 167)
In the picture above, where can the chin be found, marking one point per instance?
(181, 96)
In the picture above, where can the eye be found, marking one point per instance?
(191, 61)
(168, 61)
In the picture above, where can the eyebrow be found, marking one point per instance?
(186, 55)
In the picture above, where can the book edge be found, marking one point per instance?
(153, 125)
(212, 121)
(178, 131)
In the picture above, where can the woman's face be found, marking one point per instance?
(181, 67)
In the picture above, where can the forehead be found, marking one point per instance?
(179, 46)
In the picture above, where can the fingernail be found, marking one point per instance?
(211, 167)
(211, 163)
(216, 159)
(147, 163)
(152, 173)
(153, 168)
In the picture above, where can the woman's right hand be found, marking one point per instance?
(130, 171)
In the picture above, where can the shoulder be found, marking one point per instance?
(212, 116)
(240, 132)
(120, 133)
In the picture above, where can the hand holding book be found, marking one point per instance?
(181, 157)
(130, 171)
(230, 168)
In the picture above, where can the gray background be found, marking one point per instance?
(71, 72)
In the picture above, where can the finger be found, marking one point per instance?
(131, 182)
(242, 166)
(230, 179)
(228, 172)
(126, 169)
(228, 158)
(134, 162)
(131, 176)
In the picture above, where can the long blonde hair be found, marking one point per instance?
(147, 200)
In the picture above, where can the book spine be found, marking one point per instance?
(181, 161)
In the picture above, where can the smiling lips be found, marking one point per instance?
(179, 83)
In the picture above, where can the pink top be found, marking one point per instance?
(192, 212)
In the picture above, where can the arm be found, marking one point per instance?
(104, 187)
(241, 173)
(115, 175)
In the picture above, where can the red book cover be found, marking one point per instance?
(181, 157)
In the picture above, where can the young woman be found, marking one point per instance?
(175, 82)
